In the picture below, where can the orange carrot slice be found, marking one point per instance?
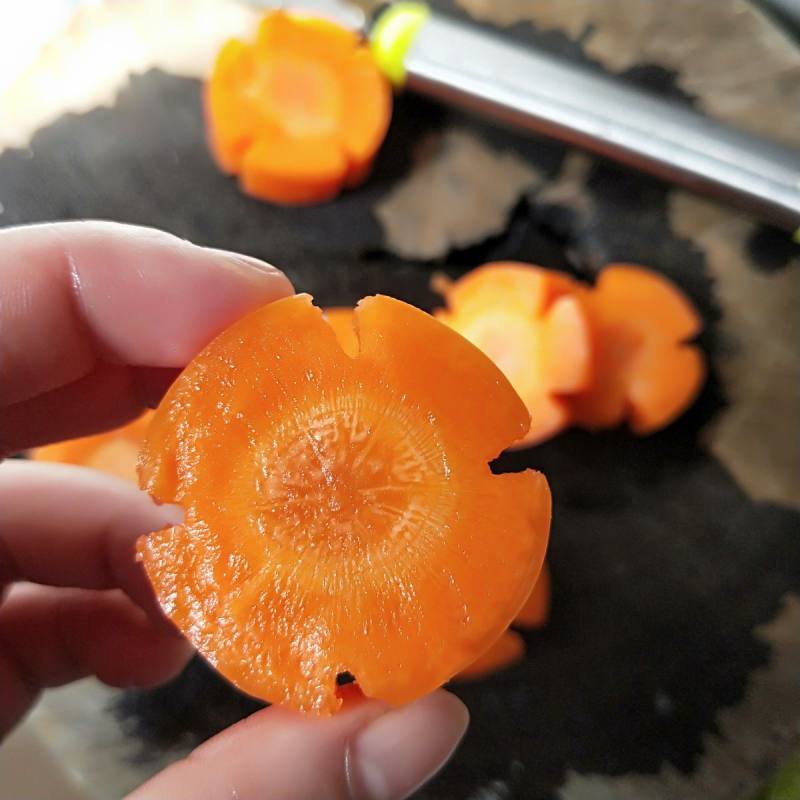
(509, 649)
(299, 113)
(646, 370)
(340, 514)
(536, 610)
(114, 452)
(530, 323)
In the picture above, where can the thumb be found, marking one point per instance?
(363, 753)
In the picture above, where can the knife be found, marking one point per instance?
(466, 66)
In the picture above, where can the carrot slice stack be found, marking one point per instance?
(114, 452)
(530, 322)
(299, 113)
(340, 514)
(645, 371)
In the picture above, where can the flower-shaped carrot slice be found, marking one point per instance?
(299, 113)
(529, 322)
(645, 369)
(114, 452)
(340, 514)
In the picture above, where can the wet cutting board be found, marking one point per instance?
(669, 667)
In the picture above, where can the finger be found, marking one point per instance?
(78, 294)
(49, 637)
(68, 526)
(108, 397)
(360, 754)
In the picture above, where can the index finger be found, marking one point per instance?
(88, 309)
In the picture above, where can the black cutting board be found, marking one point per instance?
(662, 566)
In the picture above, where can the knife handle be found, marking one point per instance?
(479, 71)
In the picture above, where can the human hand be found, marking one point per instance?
(95, 321)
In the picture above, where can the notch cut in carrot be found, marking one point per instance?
(299, 113)
(340, 513)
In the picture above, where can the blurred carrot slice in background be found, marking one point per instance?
(298, 114)
(509, 649)
(340, 513)
(531, 323)
(646, 371)
(114, 452)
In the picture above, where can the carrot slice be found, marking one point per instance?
(509, 649)
(340, 514)
(299, 113)
(645, 369)
(531, 324)
(299, 171)
(114, 452)
(536, 610)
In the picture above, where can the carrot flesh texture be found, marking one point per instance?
(337, 506)
(298, 114)
(528, 323)
(645, 371)
(509, 649)
(113, 452)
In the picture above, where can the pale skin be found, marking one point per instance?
(95, 321)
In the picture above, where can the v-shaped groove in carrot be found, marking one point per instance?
(340, 514)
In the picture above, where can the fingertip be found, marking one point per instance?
(165, 298)
(399, 751)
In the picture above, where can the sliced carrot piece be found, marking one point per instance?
(531, 324)
(368, 108)
(509, 649)
(340, 514)
(536, 610)
(299, 113)
(229, 113)
(114, 452)
(645, 370)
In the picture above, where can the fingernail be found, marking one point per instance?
(401, 750)
(243, 260)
